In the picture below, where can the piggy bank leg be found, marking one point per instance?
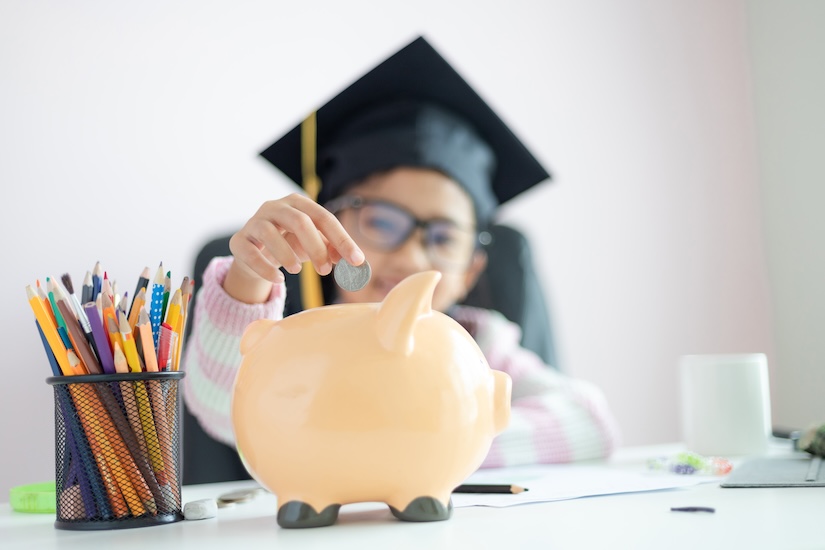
(424, 509)
(299, 515)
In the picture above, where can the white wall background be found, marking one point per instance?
(129, 134)
(788, 55)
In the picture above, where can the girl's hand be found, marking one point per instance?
(285, 233)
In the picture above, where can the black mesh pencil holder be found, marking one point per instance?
(117, 450)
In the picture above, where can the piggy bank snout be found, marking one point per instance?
(502, 390)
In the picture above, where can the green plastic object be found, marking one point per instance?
(36, 498)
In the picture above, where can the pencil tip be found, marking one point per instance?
(67, 282)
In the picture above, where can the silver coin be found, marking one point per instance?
(352, 277)
(240, 496)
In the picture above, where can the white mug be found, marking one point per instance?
(726, 408)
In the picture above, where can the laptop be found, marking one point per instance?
(800, 470)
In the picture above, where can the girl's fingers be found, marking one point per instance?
(251, 257)
(331, 230)
(321, 263)
(303, 236)
(289, 231)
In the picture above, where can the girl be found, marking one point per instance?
(412, 172)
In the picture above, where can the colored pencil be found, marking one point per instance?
(130, 481)
(167, 287)
(97, 281)
(129, 436)
(144, 411)
(484, 488)
(156, 306)
(147, 343)
(86, 292)
(49, 353)
(80, 313)
(99, 444)
(129, 347)
(79, 342)
(137, 306)
(142, 284)
(173, 312)
(101, 338)
(184, 315)
(50, 331)
(165, 343)
(61, 323)
(73, 301)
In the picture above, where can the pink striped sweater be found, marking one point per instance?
(554, 418)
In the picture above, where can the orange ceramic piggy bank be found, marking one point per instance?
(389, 402)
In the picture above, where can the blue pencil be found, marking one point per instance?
(52, 359)
(97, 281)
(156, 307)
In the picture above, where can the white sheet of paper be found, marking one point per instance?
(569, 481)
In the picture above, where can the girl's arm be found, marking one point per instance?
(212, 354)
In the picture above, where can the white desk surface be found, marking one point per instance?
(786, 518)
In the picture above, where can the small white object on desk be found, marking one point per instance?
(204, 508)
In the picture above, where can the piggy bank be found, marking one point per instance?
(387, 402)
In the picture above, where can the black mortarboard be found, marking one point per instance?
(413, 109)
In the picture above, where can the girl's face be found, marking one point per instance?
(387, 209)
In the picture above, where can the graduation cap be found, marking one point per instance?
(411, 110)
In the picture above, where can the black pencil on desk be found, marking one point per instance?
(483, 488)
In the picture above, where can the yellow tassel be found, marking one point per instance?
(311, 293)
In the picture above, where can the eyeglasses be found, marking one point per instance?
(385, 226)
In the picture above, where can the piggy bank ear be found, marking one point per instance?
(254, 333)
(401, 309)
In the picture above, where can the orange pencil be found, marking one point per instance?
(49, 329)
(132, 485)
(145, 332)
(137, 306)
(114, 333)
(143, 283)
(108, 306)
(98, 443)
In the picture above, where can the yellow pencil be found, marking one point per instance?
(184, 315)
(114, 334)
(49, 330)
(173, 312)
(164, 437)
(130, 402)
(144, 410)
(129, 346)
